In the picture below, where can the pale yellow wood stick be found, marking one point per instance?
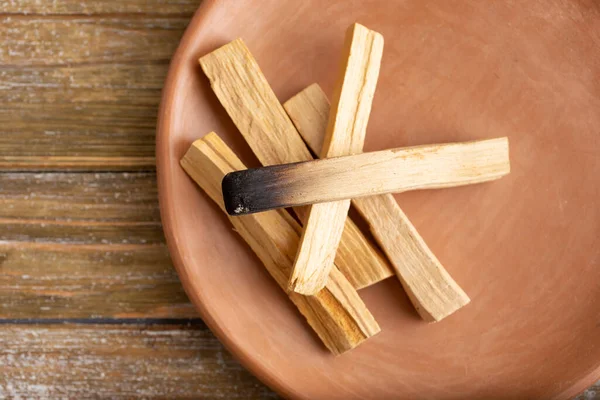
(336, 313)
(245, 94)
(345, 135)
(431, 289)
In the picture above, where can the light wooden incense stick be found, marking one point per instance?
(345, 134)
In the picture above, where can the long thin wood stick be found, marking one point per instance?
(336, 313)
(367, 174)
(431, 289)
(345, 135)
(250, 102)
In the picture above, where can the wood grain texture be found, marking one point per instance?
(247, 97)
(79, 208)
(81, 245)
(244, 92)
(88, 281)
(429, 286)
(120, 362)
(80, 232)
(60, 7)
(51, 41)
(71, 196)
(353, 94)
(345, 135)
(82, 91)
(431, 289)
(372, 266)
(79, 117)
(309, 111)
(336, 313)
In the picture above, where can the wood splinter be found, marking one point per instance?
(244, 92)
(429, 286)
(336, 313)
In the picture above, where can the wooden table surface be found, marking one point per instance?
(90, 306)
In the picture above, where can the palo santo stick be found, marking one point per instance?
(336, 313)
(431, 289)
(361, 58)
(250, 102)
(367, 174)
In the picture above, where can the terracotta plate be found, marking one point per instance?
(525, 248)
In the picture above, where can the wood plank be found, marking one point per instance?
(79, 245)
(84, 117)
(89, 281)
(28, 7)
(88, 102)
(80, 232)
(71, 208)
(120, 362)
(61, 41)
(79, 196)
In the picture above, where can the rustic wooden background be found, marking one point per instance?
(90, 306)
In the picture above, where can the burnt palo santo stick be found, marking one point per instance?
(336, 313)
(367, 174)
(431, 289)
